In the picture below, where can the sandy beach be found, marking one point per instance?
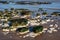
(44, 36)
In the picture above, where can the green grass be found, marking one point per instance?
(19, 21)
(37, 29)
(23, 29)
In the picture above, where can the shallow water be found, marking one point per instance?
(33, 7)
(48, 7)
(37, 0)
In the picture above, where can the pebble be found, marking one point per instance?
(52, 29)
(44, 29)
(49, 31)
(51, 25)
(55, 30)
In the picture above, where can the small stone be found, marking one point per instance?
(49, 31)
(55, 30)
(56, 25)
(24, 36)
(52, 29)
(58, 28)
(45, 29)
(52, 20)
(51, 25)
(5, 33)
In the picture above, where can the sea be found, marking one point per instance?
(54, 6)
